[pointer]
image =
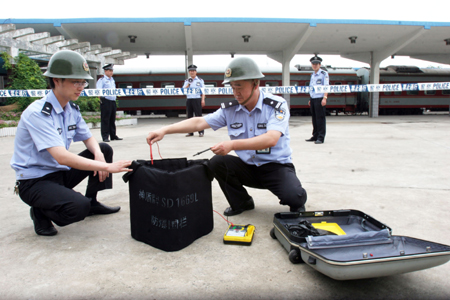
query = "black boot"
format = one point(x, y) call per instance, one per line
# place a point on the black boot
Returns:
point(42, 225)
point(247, 205)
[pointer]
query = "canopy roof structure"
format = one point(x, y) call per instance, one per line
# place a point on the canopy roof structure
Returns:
point(113, 40)
point(353, 39)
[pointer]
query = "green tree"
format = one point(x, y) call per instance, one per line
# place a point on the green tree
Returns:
point(88, 104)
point(25, 75)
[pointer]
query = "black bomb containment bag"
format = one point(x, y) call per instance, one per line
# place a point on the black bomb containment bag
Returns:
point(170, 202)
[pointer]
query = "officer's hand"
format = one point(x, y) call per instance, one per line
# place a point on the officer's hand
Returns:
point(119, 166)
point(203, 103)
point(102, 175)
point(222, 148)
point(154, 136)
point(324, 102)
point(309, 103)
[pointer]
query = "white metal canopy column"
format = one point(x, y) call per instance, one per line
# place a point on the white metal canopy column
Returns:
point(285, 56)
point(189, 56)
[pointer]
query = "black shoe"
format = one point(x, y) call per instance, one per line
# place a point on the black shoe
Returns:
point(106, 140)
point(116, 138)
point(189, 134)
point(247, 205)
point(312, 139)
point(298, 209)
point(42, 225)
point(101, 209)
point(318, 142)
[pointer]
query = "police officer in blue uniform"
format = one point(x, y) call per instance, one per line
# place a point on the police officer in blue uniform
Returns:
point(195, 101)
point(45, 170)
point(318, 101)
point(258, 126)
point(108, 106)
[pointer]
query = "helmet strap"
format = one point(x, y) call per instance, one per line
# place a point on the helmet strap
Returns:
point(255, 86)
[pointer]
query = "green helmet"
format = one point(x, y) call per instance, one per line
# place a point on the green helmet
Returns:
point(68, 64)
point(242, 68)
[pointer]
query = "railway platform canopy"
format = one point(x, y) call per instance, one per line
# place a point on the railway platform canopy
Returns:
point(113, 40)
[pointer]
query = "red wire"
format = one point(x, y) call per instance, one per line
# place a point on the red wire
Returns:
point(151, 154)
point(224, 218)
point(158, 151)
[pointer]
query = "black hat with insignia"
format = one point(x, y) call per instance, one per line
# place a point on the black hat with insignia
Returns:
point(192, 67)
point(108, 67)
point(316, 60)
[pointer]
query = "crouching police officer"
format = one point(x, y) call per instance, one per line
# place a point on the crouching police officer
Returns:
point(258, 125)
point(46, 171)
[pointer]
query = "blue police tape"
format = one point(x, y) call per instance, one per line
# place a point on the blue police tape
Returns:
point(370, 88)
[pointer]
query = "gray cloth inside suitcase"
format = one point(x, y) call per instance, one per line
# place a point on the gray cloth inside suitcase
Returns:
point(356, 239)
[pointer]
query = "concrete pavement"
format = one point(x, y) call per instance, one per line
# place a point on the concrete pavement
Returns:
point(394, 168)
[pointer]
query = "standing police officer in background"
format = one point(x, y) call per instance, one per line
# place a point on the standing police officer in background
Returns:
point(258, 126)
point(108, 105)
point(318, 101)
point(194, 102)
point(46, 171)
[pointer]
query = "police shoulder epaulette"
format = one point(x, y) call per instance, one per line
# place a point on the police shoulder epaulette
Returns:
point(274, 103)
point(47, 109)
point(323, 72)
point(74, 105)
point(229, 104)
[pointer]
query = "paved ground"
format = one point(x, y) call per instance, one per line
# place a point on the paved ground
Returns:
point(394, 168)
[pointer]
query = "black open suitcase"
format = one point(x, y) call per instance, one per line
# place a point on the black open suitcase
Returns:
point(366, 250)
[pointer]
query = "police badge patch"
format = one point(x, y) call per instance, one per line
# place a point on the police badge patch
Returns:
point(236, 125)
point(280, 114)
point(228, 73)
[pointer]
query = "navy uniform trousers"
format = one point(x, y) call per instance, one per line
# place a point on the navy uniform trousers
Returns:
point(53, 195)
point(108, 118)
point(233, 174)
point(318, 113)
point(194, 107)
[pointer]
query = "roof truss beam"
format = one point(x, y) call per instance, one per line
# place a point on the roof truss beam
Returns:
point(27, 41)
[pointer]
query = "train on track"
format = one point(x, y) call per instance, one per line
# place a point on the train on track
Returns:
point(404, 102)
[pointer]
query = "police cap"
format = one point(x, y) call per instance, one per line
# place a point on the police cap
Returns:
point(192, 67)
point(108, 67)
point(316, 60)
